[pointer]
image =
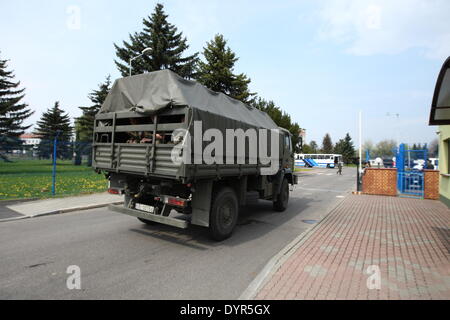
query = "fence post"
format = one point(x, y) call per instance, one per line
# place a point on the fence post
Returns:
point(358, 180)
point(55, 143)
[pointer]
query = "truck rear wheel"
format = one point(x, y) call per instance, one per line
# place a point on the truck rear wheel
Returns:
point(147, 222)
point(224, 214)
point(282, 200)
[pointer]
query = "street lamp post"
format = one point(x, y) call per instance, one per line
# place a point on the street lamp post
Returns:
point(359, 164)
point(134, 58)
point(360, 140)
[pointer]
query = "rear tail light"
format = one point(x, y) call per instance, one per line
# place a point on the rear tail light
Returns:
point(113, 191)
point(176, 202)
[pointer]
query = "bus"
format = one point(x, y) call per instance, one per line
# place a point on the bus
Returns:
point(317, 160)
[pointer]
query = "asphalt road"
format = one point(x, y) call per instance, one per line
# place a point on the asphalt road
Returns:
point(121, 258)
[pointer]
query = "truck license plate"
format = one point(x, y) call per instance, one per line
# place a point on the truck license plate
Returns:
point(144, 207)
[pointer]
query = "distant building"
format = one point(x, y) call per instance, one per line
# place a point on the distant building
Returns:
point(30, 139)
point(440, 115)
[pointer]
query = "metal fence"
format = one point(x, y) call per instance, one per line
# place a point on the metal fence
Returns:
point(12, 148)
point(411, 183)
point(28, 168)
point(410, 175)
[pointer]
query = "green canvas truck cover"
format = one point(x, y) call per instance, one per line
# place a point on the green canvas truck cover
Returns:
point(152, 92)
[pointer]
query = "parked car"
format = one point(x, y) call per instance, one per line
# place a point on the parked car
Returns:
point(377, 163)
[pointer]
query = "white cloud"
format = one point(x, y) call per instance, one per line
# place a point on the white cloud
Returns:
point(388, 27)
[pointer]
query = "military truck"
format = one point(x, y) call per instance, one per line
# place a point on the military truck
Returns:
point(150, 137)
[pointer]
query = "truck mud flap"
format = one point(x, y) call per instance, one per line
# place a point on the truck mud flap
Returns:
point(148, 216)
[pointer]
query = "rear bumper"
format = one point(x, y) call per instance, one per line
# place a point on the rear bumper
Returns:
point(148, 216)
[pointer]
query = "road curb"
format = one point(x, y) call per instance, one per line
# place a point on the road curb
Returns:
point(275, 262)
point(87, 207)
point(13, 219)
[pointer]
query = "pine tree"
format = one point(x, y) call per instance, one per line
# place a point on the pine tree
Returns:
point(167, 47)
point(348, 149)
point(216, 72)
point(339, 147)
point(52, 121)
point(85, 123)
point(327, 144)
point(13, 112)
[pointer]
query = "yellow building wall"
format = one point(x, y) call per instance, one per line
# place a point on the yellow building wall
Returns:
point(444, 179)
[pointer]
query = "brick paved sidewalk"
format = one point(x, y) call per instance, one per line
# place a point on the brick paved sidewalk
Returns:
point(408, 239)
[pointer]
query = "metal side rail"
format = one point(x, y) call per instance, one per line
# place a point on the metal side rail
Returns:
point(148, 216)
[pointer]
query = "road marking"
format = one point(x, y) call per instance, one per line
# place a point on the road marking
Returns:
point(340, 197)
point(314, 189)
point(329, 174)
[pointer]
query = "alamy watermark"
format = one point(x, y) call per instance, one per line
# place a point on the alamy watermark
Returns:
point(374, 280)
point(373, 17)
point(74, 279)
point(234, 146)
point(73, 21)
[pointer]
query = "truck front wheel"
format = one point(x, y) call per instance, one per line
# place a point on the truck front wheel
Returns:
point(224, 214)
point(281, 202)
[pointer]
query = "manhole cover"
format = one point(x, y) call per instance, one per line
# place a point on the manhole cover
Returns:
point(309, 221)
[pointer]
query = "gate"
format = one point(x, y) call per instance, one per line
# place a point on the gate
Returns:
point(410, 175)
point(411, 183)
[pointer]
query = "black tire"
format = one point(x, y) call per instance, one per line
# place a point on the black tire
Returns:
point(224, 214)
point(147, 222)
point(282, 200)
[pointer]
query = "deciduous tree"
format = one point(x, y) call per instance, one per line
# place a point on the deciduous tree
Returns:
point(314, 146)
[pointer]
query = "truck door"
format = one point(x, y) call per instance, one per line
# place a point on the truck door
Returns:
point(288, 156)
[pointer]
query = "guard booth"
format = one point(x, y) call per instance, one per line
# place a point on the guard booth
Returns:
point(410, 175)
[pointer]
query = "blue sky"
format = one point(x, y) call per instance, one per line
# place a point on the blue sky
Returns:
point(321, 61)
